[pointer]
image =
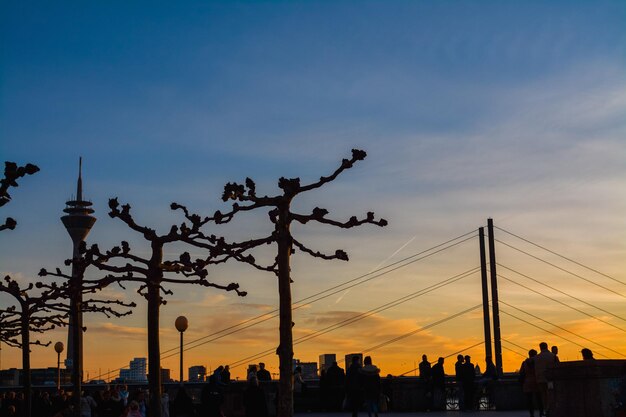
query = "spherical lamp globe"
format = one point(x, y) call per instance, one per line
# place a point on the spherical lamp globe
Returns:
point(181, 323)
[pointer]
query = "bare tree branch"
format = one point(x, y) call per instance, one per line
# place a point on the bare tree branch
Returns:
point(12, 172)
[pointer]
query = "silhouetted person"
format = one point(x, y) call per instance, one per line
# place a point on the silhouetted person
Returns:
point(324, 391)
point(469, 375)
point(109, 407)
point(252, 371)
point(425, 369)
point(370, 379)
point(335, 380)
point(354, 388)
point(87, 405)
point(165, 403)
point(587, 354)
point(211, 400)
point(529, 383)
point(299, 388)
point(458, 378)
point(182, 406)
point(10, 400)
point(254, 399)
point(217, 375)
point(543, 361)
point(42, 406)
point(439, 385)
point(491, 373)
point(298, 382)
point(488, 378)
point(426, 378)
point(133, 409)
point(60, 402)
point(226, 375)
point(555, 352)
point(124, 394)
point(263, 374)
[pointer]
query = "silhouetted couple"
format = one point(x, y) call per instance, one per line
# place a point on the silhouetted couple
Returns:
point(363, 384)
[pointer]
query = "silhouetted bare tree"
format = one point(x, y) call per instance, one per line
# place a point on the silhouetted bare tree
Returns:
point(40, 313)
point(281, 215)
point(153, 271)
point(32, 315)
point(12, 172)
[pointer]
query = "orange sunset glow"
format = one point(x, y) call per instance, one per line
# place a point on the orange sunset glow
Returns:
point(467, 111)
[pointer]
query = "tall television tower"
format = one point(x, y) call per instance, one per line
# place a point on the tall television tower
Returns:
point(78, 222)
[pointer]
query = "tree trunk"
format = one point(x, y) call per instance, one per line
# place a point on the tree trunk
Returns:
point(154, 351)
point(26, 382)
point(76, 327)
point(285, 348)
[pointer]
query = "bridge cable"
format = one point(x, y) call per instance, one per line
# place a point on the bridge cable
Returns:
point(564, 329)
point(545, 330)
point(563, 292)
point(421, 329)
point(515, 344)
point(512, 350)
point(562, 303)
point(562, 256)
point(561, 269)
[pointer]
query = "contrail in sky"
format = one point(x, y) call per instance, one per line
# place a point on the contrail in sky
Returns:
point(393, 254)
point(379, 265)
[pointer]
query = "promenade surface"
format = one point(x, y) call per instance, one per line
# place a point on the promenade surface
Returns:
point(490, 413)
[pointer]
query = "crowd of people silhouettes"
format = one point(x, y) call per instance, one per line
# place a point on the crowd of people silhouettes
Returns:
point(357, 388)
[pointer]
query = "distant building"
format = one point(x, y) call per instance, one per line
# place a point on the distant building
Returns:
point(349, 359)
point(326, 360)
point(48, 376)
point(165, 375)
point(136, 371)
point(197, 373)
point(10, 377)
point(309, 369)
point(40, 376)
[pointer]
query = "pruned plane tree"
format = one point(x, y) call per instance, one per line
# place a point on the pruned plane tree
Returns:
point(281, 216)
point(30, 313)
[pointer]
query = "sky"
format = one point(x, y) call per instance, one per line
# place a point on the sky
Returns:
point(469, 110)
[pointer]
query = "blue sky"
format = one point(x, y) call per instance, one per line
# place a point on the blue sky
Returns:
point(514, 110)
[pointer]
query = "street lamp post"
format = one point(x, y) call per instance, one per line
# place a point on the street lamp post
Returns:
point(181, 325)
point(58, 348)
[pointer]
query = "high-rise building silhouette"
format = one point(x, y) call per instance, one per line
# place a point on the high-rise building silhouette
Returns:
point(348, 359)
point(197, 373)
point(136, 371)
point(326, 360)
point(78, 221)
point(309, 369)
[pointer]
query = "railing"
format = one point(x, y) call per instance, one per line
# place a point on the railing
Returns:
point(404, 394)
